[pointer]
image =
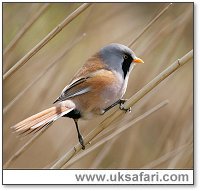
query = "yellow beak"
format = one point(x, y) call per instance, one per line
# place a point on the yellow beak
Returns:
point(138, 60)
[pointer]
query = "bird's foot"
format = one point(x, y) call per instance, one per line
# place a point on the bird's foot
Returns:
point(121, 106)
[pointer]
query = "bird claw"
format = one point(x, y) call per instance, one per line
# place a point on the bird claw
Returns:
point(83, 147)
point(121, 106)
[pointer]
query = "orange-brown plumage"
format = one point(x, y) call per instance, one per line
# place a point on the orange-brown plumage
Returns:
point(93, 64)
point(99, 97)
point(40, 119)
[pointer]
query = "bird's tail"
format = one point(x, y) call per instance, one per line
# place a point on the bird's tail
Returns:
point(40, 120)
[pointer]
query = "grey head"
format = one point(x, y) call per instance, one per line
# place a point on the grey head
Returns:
point(118, 57)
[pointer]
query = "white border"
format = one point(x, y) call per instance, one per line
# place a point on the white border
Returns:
point(197, 95)
point(109, 177)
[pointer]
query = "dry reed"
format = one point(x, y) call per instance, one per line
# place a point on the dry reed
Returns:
point(24, 29)
point(31, 141)
point(23, 148)
point(40, 75)
point(149, 25)
point(129, 103)
point(46, 39)
point(173, 135)
point(116, 133)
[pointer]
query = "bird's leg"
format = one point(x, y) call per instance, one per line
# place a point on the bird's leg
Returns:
point(121, 106)
point(111, 106)
point(80, 138)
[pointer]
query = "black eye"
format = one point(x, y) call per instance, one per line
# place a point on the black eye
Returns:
point(125, 57)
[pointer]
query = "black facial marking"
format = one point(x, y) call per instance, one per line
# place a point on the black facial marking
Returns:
point(75, 114)
point(126, 64)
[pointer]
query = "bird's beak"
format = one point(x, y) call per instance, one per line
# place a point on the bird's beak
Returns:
point(138, 60)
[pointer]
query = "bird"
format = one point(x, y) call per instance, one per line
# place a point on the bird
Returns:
point(98, 86)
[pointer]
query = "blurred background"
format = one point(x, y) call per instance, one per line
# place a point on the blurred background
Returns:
point(162, 140)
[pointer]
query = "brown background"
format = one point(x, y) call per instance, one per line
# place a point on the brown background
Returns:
point(163, 140)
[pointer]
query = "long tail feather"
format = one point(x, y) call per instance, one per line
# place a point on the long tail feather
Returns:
point(40, 120)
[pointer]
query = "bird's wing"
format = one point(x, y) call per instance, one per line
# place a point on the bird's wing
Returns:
point(74, 89)
point(95, 81)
